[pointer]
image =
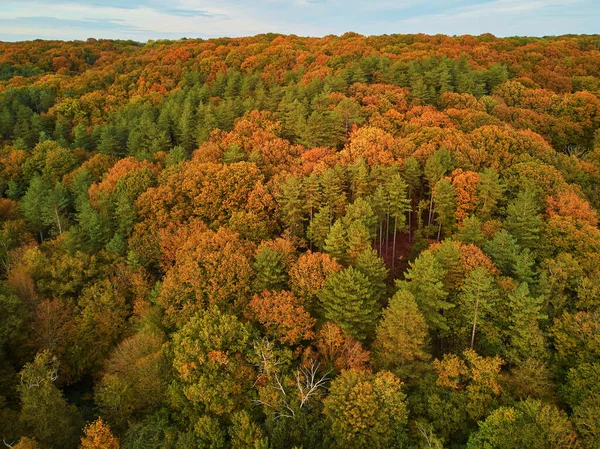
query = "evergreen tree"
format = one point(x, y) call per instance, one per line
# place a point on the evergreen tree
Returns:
point(444, 196)
point(489, 191)
point(399, 206)
point(34, 205)
point(334, 195)
point(234, 153)
point(436, 167)
point(401, 337)
point(523, 220)
point(292, 205)
point(424, 280)
point(477, 303)
point(81, 138)
point(270, 270)
point(336, 242)
point(470, 232)
point(348, 301)
point(525, 338)
point(318, 229)
point(358, 240)
point(359, 180)
point(411, 172)
point(503, 249)
point(373, 267)
point(146, 139)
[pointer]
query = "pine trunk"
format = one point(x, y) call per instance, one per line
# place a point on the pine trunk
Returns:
point(474, 322)
point(430, 209)
point(394, 243)
point(387, 234)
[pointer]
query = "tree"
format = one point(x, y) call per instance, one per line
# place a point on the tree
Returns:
point(436, 167)
point(411, 172)
point(209, 358)
point(529, 424)
point(474, 379)
point(146, 139)
point(366, 410)
point(283, 316)
point(400, 344)
point(270, 270)
point(339, 351)
point(98, 436)
point(309, 273)
point(477, 302)
point(26, 443)
point(503, 250)
point(134, 380)
point(424, 280)
point(348, 300)
point(34, 205)
point(319, 227)
point(374, 269)
point(523, 220)
point(525, 339)
point(444, 197)
point(582, 393)
point(470, 232)
point(399, 206)
point(336, 242)
point(489, 192)
point(245, 434)
point(358, 241)
point(292, 205)
point(45, 414)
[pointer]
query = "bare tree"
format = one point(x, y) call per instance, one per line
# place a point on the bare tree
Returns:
point(307, 382)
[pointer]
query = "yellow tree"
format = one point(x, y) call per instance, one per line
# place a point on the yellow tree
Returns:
point(98, 436)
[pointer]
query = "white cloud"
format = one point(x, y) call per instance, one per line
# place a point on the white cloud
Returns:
point(151, 19)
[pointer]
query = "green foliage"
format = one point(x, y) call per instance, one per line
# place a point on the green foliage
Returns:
point(270, 270)
point(523, 220)
point(45, 414)
point(350, 299)
point(529, 424)
point(424, 280)
point(400, 345)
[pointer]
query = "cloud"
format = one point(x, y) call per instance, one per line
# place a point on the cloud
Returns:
point(155, 19)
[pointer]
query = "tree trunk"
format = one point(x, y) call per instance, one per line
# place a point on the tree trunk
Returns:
point(387, 233)
point(430, 209)
point(394, 244)
point(474, 322)
point(380, 236)
point(410, 212)
point(58, 221)
point(439, 231)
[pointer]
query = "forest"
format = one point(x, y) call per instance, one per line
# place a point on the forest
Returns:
point(279, 242)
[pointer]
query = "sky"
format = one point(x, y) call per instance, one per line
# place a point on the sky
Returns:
point(142, 20)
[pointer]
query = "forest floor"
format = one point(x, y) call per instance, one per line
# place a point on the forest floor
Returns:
point(402, 255)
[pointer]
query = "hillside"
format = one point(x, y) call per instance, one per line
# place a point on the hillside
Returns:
point(280, 242)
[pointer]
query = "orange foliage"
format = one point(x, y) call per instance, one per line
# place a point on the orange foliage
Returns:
point(98, 436)
point(465, 185)
point(283, 316)
point(568, 203)
point(340, 350)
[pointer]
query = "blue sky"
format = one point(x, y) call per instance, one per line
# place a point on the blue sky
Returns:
point(142, 20)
